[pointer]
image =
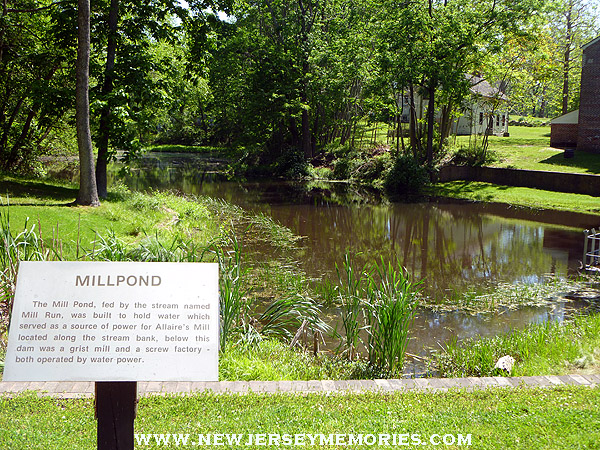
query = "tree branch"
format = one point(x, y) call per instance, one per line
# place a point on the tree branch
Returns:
point(12, 10)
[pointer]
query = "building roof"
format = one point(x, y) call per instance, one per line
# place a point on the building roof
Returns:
point(572, 117)
point(592, 42)
point(480, 86)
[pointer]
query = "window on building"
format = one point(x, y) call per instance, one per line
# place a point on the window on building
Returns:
point(503, 119)
point(480, 118)
point(497, 120)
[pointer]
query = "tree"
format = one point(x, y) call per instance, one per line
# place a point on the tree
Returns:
point(37, 50)
point(431, 46)
point(124, 36)
point(88, 193)
point(573, 24)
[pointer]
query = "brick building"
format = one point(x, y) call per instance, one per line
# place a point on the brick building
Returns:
point(588, 133)
point(582, 128)
point(564, 129)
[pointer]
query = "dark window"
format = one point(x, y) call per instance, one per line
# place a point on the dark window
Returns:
point(497, 120)
point(503, 119)
point(480, 118)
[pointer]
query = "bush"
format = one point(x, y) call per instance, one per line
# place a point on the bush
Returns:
point(406, 176)
point(474, 156)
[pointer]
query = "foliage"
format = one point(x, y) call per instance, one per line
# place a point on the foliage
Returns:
point(406, 176)
point(377, 301)
point(36, 79)
point(474, 155)
point(287, 162)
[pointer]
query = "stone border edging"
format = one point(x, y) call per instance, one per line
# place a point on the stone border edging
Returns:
point(83, 389)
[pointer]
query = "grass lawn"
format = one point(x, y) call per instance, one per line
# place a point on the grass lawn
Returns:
point(529, 148)
point(131, 216)
point(519, 196)
point(557, 418)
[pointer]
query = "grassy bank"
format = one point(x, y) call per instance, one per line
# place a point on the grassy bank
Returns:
point(529, 148)
point(507, 419)
point(550, 348)
point(518, 196)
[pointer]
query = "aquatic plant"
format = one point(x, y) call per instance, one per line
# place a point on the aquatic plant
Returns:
point(233, 305)
point(284, 316)
point(377, 302)
point(389, 313)
point(351, 292)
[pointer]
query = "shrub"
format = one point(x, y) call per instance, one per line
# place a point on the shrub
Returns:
point(406, 176)
point(474, 156)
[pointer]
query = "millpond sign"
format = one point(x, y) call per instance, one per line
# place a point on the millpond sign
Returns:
point(114, 321)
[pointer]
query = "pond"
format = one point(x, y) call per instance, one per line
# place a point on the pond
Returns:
point(456, 248)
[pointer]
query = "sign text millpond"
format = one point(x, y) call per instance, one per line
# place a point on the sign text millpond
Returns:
point(114, 321)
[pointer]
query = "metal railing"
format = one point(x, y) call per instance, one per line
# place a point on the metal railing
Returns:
point(591, 250)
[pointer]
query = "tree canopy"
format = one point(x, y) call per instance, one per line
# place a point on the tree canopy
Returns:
point(285, 79)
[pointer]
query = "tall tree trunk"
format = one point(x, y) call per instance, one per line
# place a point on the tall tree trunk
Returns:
point(566, 61)
point(6, 132)
point(88, 193)
point(412, 127)
point(430, 122)
point(107, 87)
point(306, 135)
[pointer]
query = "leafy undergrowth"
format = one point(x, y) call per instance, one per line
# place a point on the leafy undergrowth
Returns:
point(554, 418)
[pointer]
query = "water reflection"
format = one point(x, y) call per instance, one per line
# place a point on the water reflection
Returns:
point(454, 246)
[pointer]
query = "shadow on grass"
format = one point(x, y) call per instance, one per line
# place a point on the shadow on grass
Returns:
point(588, 161)
point(466, 189)
point(36, 189)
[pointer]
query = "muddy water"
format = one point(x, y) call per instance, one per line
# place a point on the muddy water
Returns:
point(453, 246)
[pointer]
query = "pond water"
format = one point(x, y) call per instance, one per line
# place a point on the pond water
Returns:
point(455, 247)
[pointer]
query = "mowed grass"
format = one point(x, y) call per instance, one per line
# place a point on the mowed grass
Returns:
point(519, 196)
point(529, 148)
point(556, 418)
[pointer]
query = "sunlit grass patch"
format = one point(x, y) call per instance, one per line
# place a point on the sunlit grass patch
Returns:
point(520, 196)
point(564, 417)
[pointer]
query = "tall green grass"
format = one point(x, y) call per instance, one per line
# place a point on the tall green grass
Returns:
point(352, 304)
point(545, 348)
point(390, 311)
point(377, 304)
point(281, 318)
point(234, 307)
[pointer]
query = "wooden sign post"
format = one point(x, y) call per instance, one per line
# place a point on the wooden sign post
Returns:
point(115, 412)
point(114, 324)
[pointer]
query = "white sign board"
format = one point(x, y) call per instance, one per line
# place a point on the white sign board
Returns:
point(114, 321)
